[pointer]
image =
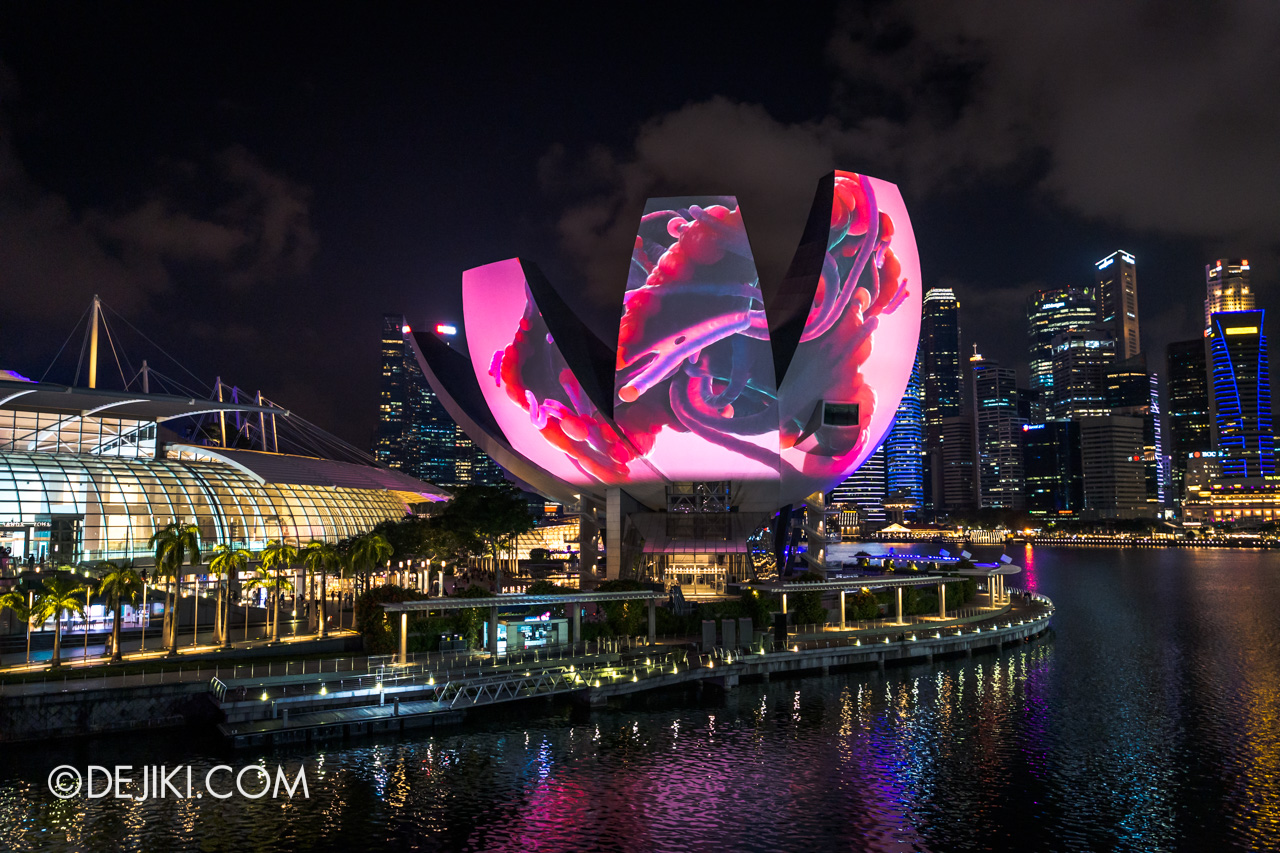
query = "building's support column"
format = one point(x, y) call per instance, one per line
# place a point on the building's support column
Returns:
point(653, 620)
point(577, 624)
point(842, 610)
point(404, 638)
point(942, 601)
point(613, 533)
point(899, 619)
point(784, 602)
point(493, 632)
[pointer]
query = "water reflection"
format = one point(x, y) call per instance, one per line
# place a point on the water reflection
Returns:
point(1147, 721)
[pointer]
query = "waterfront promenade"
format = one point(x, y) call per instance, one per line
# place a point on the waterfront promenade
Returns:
point(439, 690)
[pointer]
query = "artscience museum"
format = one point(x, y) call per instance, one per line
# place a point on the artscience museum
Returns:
point(720, 403)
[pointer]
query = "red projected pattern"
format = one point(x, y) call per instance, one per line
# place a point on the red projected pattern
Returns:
point(695, 390)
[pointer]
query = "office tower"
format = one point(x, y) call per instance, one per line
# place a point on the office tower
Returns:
point(1117, 277)
point(1115, 482)
point(957, 473)
point(1052, 468)
point(1132, 391)
point(388, 442)
point(1081, 358)
point(1226, 288)
point(1190, 429)
point(904, 447)
point(1240, 394)
point(1049, 314)
point(415, 433)
point(940, 373)
point(865, 489)
point(998, 429)
point(1031, 406)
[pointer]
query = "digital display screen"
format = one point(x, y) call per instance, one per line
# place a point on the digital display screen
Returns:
point(695, 396)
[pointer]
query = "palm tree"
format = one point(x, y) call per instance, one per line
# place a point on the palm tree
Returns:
point(61, 592)
point(173, 544)
point(278, 555)
point(273, 583)
point(118, 583)
point(367, 552)
point(16, 601)
point(319, 558)
point(228, 561)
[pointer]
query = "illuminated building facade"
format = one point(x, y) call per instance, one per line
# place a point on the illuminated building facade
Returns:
point(1117, 278)
point(1052, 468)
point(1081, 359)
point(1115, 481)
point(941, 383)
point(1190, 425)
point(998, 430)
point(904, 448)
point(865, 490)
point(1132, 391)
point(766, 393)
point(415, 433)
point(89, 475)
point(1241, 394)
point(1049, 314)
point(1226, 285)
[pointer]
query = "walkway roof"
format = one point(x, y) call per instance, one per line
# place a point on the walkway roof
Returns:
point(313, 471)
point(69, 401)
point(508, 602)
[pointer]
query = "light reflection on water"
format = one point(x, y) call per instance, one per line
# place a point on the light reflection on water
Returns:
point(1147, 721)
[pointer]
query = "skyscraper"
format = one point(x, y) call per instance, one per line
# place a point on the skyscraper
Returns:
point(1226, 288)
point(1115, 482)
point(388, 441)
point(1132, 391)
point(865, 489)
point(904, 448)
point(1081, 359)
point(1117, 276)
point(940, 345)
point(939, 354)
point(415, 433)
point(1052, 468)
point(1190, 427)
point(998, 428)
point(1050, 313)
point(1241, 394)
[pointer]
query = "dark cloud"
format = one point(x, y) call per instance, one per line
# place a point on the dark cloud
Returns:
point(1158, 116)
point(227, 222)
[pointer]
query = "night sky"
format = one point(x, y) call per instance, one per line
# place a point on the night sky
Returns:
point(254, 189)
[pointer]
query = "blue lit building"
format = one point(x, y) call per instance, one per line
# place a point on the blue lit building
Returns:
point(1241, 394)
point(904, 448)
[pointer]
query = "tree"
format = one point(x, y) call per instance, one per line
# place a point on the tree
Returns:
point(173, 545)
point(228, 561)
point(366, 554)
point(492, 514)
point(808, 609)
point(320, 557)
point(278, 555)
point(118, 583)
point(61, 592)
point(264, 578)
point(17, 602)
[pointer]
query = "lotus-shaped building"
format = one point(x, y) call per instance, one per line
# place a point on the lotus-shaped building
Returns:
point(722, 398)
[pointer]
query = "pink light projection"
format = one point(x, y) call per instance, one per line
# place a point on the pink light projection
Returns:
point(695, 396)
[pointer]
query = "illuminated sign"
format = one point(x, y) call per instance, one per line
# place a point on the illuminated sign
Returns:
point(1106, 262)
point(404, 330)
point(1052, 305)
point(1241, 330)
point(694, 392)
point(1029, 427)
point(446, 329)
